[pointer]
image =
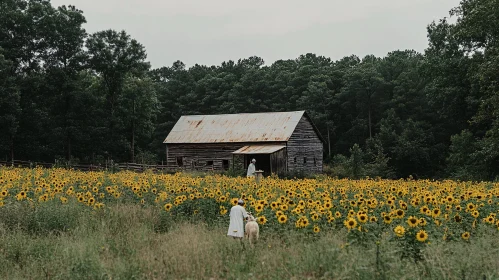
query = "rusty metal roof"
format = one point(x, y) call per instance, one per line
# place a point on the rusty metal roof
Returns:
point(259, 149)
point(250, 127)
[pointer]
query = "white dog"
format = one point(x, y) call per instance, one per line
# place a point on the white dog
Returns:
point(251, 230)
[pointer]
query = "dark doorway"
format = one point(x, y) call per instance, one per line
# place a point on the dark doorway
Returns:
point(262, 162)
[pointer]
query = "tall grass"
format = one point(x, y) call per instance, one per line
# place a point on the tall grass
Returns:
point(131, 242)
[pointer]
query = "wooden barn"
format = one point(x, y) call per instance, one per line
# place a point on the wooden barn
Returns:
point(279, 141)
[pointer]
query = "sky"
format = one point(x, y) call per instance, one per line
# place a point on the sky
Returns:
point(210, 32)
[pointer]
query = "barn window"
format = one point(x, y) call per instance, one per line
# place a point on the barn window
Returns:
point(180, 161)
point(305, 160)
point(225, 164)
point(294, 160)
point(209, 162)
point(315, 161)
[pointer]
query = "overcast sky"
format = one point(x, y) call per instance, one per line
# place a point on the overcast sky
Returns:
point(212, 31)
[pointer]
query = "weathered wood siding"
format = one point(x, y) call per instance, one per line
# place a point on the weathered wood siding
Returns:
point(200, 156)
point(305, 145)
point(278, 162)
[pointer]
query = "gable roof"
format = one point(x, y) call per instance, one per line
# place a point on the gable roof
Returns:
point(234, 128)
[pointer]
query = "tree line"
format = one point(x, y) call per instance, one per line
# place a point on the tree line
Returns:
point(69, 95)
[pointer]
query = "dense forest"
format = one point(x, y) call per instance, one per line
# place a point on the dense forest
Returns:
point(71, 96)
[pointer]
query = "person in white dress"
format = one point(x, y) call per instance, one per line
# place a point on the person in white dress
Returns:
point(237, 216)
point(251, 169)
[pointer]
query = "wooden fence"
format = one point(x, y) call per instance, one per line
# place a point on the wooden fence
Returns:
point(92, 167)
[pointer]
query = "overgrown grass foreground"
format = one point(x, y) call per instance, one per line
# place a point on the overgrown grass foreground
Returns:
point(129, 241)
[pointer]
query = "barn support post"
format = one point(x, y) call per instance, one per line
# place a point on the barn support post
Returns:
point(270, 163)
point(286, 167)
point(166, 149)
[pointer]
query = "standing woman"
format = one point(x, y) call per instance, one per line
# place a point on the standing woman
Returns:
point(251, 169)
point(237, 216)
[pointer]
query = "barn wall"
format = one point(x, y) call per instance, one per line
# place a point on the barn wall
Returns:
point(202, 157)
point(278, 162)
point(197, 156)
point(305, 143)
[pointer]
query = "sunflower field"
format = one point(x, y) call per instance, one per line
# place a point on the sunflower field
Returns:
point(67, 224)
point(412, 211)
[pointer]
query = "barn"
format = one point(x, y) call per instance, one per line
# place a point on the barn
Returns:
point(280, 142)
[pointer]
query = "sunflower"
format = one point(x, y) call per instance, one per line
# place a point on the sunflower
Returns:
point(315, 217)
point(412, 221)
point(262, 220)
point(258, 208)
point(168, 207)
point(350, 223)
point(362, 218)
point(373, 219)
point(282, 219)
point(403, 205)
point(399, 231)
point(387, 219)
point(465, 235)
point(457, 218)
point(435, 212)
point(223, 211)
point(337, 214)
point(317, 229)
point(490, 219)
point(475, 213)
point(421, 236)
point(400, 213)
point(304, 222)
point(470, 207)
point(233, 201)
